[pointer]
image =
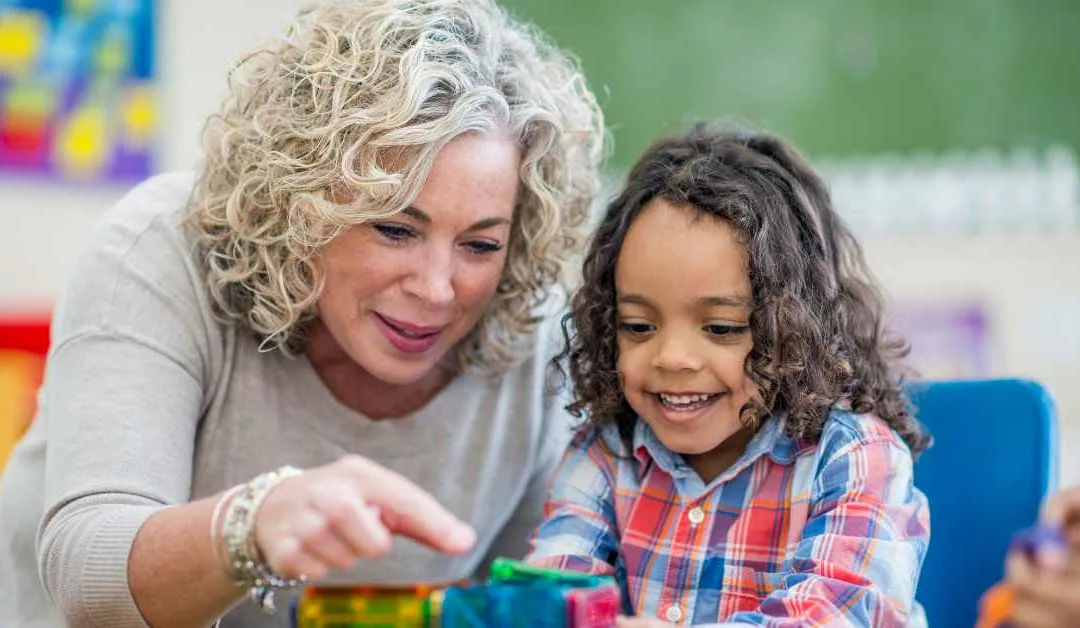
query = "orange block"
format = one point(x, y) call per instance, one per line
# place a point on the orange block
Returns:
point(996, 606)
point(20, 378)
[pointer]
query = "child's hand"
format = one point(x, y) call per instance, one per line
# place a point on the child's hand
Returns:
point(1044, 597)
point(1063, 511)
point(1046, 578)
point(640, 622)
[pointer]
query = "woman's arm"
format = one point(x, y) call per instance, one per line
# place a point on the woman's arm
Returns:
point(122, 410)
point(116, 551)
point(174, 576)
point(124, 389)
point(325, 519)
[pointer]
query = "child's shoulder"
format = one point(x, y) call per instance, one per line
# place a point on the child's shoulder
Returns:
point(844, 430)
point(601, 441)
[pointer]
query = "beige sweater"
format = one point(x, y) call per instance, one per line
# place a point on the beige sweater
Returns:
point(149, 401)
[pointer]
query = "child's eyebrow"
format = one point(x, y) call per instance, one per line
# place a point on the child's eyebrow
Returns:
point(632, 299)
point(727, 300)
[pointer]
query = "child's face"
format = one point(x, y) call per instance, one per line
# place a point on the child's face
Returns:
point(684, 303)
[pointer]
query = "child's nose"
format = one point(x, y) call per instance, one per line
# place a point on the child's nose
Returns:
point(677, 352)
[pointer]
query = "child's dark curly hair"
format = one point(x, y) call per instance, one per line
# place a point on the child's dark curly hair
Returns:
point(817, 321)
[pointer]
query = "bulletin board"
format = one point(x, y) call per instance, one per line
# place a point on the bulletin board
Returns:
point(77, 95)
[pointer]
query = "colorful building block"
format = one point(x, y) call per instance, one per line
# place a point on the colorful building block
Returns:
point(595, 607)
point(505, 570)
point(515, 596)
point(504, 606)
point(367, 607)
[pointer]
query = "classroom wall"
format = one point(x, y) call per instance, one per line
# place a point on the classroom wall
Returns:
point(839, 77)
point(1031, 286)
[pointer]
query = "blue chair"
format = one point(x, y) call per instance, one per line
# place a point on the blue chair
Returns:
point(993, 461)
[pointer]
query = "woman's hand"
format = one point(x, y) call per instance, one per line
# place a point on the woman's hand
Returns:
point(330, 516)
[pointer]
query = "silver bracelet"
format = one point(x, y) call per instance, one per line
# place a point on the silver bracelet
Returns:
point(216, 541)
point(245, 565)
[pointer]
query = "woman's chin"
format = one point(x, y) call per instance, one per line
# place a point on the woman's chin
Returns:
point(402, 370)
point(399, 373)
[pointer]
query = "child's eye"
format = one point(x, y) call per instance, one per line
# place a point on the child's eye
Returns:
point(483, 247)
point(635, 328)
point(726, 330)
point(394, 233)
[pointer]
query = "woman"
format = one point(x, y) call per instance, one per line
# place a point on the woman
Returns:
point(359, 284)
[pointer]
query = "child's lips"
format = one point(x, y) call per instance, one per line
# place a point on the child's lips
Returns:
point(684, 412)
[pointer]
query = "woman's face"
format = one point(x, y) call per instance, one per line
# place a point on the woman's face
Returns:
point(402, 292)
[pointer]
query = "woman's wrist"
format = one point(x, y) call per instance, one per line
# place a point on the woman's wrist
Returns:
point(233, 537)
point(217, 540)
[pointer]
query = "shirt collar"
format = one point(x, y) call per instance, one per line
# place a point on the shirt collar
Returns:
point(770, 440)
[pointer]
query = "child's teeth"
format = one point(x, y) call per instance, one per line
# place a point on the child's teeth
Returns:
point(683, 399)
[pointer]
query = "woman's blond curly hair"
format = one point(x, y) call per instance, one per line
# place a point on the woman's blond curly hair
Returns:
point(338, 122)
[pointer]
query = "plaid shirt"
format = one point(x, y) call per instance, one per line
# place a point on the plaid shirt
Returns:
point(793, 534)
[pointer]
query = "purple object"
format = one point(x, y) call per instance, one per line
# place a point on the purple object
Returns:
point(1039, 538)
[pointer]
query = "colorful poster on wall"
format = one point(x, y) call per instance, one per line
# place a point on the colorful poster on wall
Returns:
point(76, 94)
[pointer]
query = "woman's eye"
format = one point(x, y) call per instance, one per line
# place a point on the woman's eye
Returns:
point(394, 233)
point(483, 247)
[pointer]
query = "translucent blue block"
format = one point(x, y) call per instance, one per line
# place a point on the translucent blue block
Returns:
point(538, 605)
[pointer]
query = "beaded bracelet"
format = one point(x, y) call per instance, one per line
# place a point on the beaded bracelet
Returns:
point(245, 565)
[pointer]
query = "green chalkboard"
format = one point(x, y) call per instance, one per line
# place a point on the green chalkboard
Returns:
point(839, 77)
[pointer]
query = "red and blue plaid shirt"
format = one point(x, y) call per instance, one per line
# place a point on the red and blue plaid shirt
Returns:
point(793, 534)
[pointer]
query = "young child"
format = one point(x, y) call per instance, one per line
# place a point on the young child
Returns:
point(747, 456)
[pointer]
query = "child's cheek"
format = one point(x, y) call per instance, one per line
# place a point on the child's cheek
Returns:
point(750, 390)
point(628, 364)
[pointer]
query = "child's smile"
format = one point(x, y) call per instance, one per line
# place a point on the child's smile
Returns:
point(685, 407)
point(684, 304)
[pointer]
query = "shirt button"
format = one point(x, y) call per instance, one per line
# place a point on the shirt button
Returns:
point(673, 614)
point(696, 516)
